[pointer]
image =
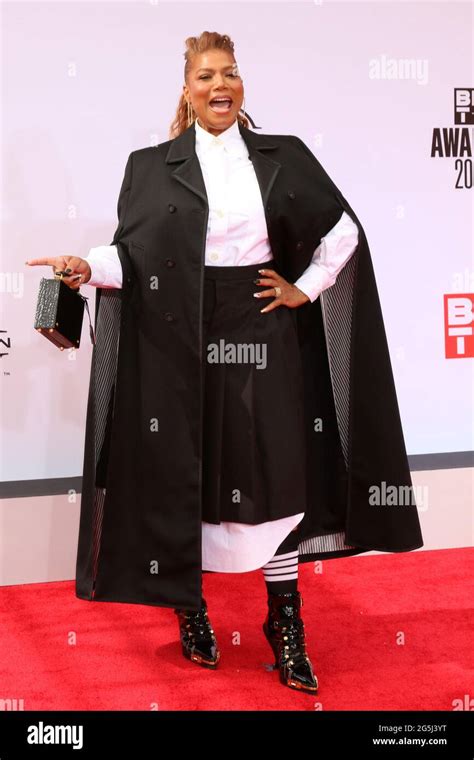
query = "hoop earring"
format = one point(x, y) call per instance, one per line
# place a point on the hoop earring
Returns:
point(243, 107)
point(247, 115)
point(190, 111)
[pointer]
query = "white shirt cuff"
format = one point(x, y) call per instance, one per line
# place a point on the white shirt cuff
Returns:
point(331, 255)
point(106, 269)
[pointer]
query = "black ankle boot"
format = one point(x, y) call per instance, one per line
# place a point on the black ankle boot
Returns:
point(198, 642)
point(284, 630)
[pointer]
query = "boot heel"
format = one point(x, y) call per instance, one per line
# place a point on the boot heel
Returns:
point(272, 646)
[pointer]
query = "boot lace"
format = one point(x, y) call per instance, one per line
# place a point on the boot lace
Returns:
point(198, 628)
point(291, 642)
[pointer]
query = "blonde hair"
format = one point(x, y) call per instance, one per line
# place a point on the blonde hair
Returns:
point(195, 45)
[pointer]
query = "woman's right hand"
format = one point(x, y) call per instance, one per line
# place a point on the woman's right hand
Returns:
point(80, 269)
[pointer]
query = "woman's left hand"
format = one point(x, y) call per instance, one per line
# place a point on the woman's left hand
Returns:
point(291, 296)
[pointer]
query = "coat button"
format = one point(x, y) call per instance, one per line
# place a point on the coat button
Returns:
point(171, 208)
point(291, 194)
point(299, 245)
point(169, 316)
point(269, 208)
point(170, 263)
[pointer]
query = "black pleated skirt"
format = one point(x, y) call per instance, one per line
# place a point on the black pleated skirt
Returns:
point(254, 455)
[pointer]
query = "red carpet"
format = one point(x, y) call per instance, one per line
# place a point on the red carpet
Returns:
point(62, 653)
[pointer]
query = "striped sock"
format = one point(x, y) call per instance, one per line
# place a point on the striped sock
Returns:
point(281, 572)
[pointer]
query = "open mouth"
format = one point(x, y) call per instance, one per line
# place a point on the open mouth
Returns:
point(220, 105)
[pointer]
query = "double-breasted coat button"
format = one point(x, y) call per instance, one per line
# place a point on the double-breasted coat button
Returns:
point(170, 263)
point(291, 194)
point(171, 208)
point(299, 245)
point(169, 316)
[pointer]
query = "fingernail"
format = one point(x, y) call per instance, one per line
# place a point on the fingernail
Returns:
point(256, 295)
point(261, 271)
point(262, 310)
point(257, 282)
point(68, 269)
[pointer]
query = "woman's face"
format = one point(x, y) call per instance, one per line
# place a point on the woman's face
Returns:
point(214, 75)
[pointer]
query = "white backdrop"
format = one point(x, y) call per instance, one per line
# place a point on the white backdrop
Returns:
point(363, 84)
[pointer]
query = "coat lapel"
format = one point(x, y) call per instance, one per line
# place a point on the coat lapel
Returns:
point(182, 151)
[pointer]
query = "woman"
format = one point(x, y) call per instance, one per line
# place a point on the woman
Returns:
point(235, 420)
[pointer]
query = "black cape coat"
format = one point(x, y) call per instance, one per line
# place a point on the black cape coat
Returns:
point(140, 523)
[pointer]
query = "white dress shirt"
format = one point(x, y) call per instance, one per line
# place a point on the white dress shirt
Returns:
point(237, 236)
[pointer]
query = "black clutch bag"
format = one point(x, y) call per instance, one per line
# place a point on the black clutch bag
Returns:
point(59, 314)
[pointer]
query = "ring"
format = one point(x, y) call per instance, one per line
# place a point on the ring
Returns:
point(277, 291)
point(59, 275)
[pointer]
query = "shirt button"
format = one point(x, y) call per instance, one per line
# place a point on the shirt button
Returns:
point(214, 256)
point(220, 212)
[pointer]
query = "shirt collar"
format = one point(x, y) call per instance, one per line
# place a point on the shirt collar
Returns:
point(231, 139)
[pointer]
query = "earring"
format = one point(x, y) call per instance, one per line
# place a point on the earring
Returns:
point(247, 115)
point(190, 116)
point(244, 111)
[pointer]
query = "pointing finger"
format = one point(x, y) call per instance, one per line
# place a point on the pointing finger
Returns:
point(47, 261)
